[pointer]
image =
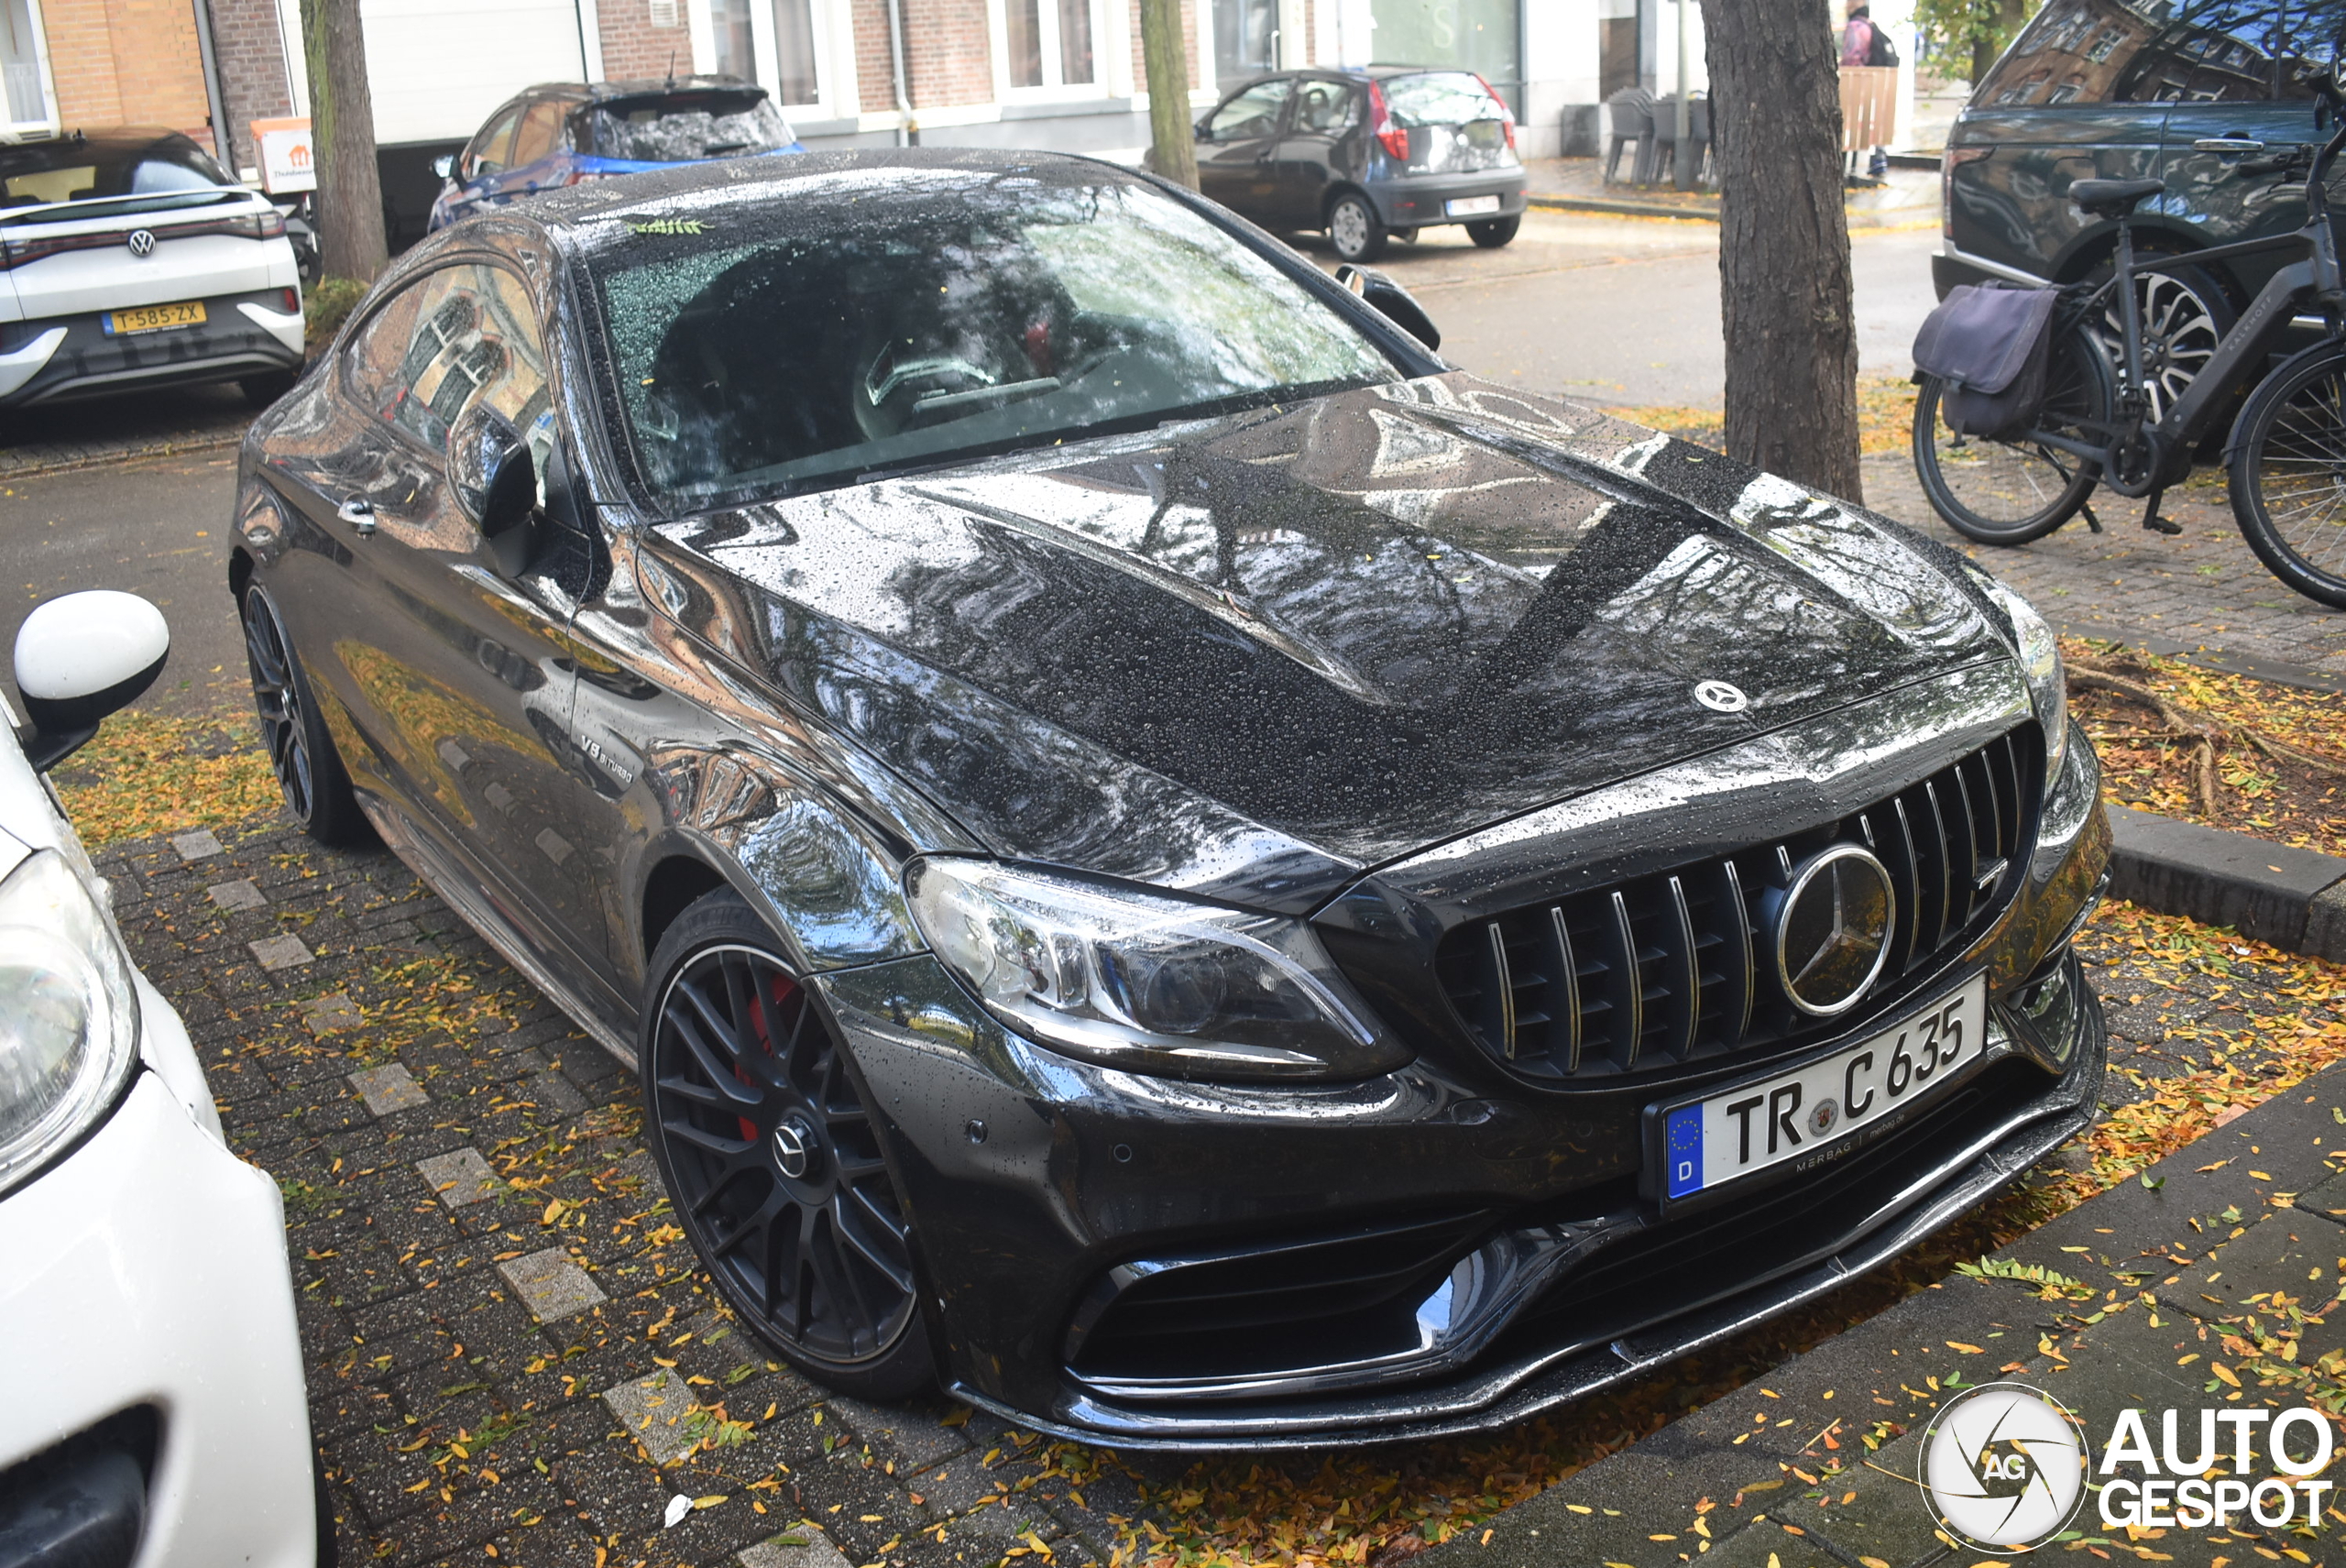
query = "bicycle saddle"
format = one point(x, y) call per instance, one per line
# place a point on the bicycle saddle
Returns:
point(2112, 198)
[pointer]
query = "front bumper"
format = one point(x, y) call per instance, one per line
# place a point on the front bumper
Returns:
point(57, 358)
point(1263, 1228)
point(1421, 200)
point(147, 1292)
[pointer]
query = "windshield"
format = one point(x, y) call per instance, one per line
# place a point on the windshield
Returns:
point(77, 168)
point(686, 128)
point(876, 320)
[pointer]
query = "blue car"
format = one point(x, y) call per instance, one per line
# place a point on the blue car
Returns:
point(565, 132)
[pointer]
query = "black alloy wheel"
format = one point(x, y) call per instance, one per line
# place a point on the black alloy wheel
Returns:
point(772, 1160)
point(1354, 229)
point(301, 754)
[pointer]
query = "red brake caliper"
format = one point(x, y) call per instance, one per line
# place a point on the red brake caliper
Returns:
point(761, 1030)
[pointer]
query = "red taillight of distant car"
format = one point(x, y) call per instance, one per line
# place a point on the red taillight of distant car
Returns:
point(1394, 138)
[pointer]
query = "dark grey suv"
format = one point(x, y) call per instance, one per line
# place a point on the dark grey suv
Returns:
point(1365, 155)
point(2110, 89)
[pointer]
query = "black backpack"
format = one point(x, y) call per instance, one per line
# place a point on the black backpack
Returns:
point(1879, 50)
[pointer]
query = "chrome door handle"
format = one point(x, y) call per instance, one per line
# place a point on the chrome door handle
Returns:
point(2227, 143)
point(360, 513)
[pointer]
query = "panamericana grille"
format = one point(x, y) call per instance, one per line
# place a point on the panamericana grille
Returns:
point(1674, 968)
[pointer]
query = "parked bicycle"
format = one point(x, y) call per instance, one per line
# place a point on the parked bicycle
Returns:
point(2097, 424)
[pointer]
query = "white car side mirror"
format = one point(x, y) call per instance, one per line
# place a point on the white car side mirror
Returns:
point(81, 657)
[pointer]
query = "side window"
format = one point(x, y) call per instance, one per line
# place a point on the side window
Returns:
point(1326, 108)
point(490, 149)
point(463, 334)
point(1253, 113)
point(536, 137)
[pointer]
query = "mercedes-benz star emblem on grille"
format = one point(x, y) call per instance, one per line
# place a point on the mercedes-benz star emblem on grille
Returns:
point(1833, 927)
point(141, 242)
point(1721, 697)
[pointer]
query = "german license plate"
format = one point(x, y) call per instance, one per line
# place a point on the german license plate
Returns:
point(1470, 206)
point(1804, 1112)
point(155, 318)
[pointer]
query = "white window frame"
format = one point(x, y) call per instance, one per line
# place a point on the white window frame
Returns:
point(830, 26)
point(1047, 14)
point(49, 124)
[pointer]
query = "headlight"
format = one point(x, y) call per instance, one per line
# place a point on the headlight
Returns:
point(2040, 664)
point(69, 1012)
point(1145, 981)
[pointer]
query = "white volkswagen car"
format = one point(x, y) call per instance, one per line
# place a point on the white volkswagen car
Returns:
point(129, 259)
point(151, 1401)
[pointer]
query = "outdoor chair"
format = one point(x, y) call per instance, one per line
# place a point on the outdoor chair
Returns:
point(1687, 175)
point(1629, 115)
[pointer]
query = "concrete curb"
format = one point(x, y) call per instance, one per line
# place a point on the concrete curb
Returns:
point(9, 475)
point(1621, 209)
point(2294, 899)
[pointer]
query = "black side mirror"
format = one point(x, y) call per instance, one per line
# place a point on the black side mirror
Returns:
point(1391, 301)
point(495, 483)
point(80, 657)
point(1204, 130)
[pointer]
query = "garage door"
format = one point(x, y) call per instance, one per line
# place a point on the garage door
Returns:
point(438, 67)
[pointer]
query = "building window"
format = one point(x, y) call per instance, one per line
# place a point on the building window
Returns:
point(1050, 42)
point(793, 46)
point(737, 51)
point(20, 60)
point(1245, 38)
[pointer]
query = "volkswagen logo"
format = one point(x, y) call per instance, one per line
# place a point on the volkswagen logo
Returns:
point(141, 242)
point(1832, 929)
point(1720, 696)
point(794, 1148)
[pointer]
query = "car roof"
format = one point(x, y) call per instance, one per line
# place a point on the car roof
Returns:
point(644, 87)
point(104, 139)
point(683, 191)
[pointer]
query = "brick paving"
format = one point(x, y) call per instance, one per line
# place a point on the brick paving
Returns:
point(2200, 589)
point(510, 1345)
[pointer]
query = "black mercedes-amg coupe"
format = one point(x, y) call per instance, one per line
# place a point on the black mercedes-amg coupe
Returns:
point(1166, 858)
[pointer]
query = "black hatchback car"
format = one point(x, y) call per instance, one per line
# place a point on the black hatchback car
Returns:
point(1162, 856)
point(2100, 89)
point(1365, 155)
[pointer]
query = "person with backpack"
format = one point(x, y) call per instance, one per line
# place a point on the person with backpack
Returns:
point(1862, 43)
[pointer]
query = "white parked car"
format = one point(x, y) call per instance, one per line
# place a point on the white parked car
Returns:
point(129, 259)
point(154, 1408)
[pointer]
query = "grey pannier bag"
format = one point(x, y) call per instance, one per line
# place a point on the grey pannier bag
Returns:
point(1988, 342)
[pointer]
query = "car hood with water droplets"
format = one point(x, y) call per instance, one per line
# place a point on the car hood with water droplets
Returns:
point(1257, 653)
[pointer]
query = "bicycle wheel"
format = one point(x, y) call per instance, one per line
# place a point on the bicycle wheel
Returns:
point(2288, 476)
point(2008, 492)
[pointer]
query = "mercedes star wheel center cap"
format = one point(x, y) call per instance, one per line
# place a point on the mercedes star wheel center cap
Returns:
point(794, 1149)
point(1833, 927)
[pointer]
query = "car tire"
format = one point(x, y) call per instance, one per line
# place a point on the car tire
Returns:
point(1493, 232)
point(742, 1076)
point(300, 752)
point(1354, 229)
point(262, 390)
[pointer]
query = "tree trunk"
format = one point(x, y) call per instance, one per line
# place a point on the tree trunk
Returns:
point(1166, 58)
point(342, 131)
point(1784, 284)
